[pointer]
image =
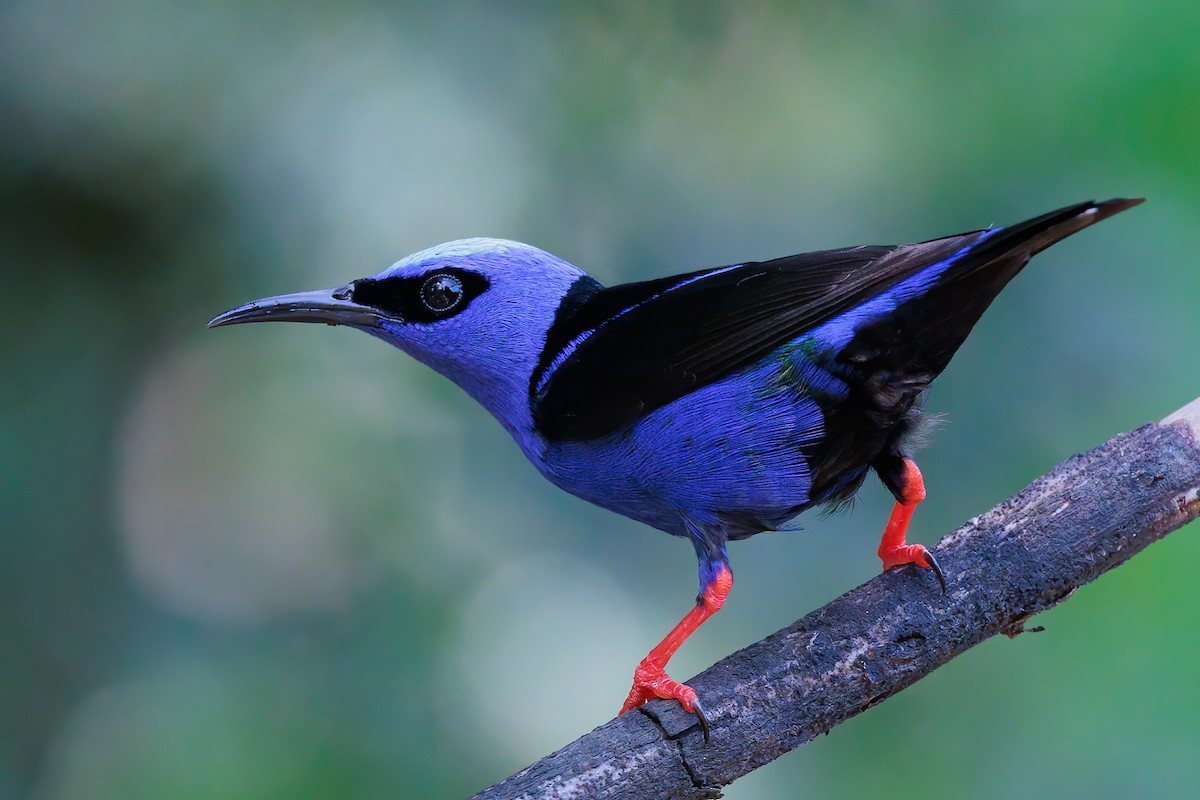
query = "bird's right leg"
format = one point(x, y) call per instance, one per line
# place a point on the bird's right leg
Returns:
point(900, 475)
point(650, 679)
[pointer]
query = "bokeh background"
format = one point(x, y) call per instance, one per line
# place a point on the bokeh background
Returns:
point(284, 561)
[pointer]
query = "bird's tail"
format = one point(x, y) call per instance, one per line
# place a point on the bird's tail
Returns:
point(927, 330)
point(1032, 236)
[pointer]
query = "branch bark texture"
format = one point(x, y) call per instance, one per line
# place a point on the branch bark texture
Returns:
point(1089, 514)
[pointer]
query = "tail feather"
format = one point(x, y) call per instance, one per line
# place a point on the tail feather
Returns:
point(1070, 221)
point(916, 341)
point(1034, 235)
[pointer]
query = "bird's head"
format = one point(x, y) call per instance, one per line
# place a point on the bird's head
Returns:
point(476, 310)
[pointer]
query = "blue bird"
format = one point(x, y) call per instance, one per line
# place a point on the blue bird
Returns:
point(712, 405)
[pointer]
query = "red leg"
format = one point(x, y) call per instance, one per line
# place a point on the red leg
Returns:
point(650, 679)
point(893, 550)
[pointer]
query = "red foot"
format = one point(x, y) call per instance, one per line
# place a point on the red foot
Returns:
point(650, 679)
point(903, 554)
point(893, 550)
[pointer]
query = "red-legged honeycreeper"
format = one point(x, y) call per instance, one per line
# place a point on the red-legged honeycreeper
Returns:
point(712, 405)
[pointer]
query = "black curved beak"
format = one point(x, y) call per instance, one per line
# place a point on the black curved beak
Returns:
point(330, 306)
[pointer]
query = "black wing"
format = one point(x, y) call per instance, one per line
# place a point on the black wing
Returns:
point(627, 350)
point(619, 353)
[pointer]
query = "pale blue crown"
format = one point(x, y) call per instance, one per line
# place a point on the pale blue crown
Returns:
point(466, 252)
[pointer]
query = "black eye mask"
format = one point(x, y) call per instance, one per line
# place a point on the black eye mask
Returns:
point(436, 295)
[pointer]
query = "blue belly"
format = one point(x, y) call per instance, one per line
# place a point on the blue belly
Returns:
point(732, 456)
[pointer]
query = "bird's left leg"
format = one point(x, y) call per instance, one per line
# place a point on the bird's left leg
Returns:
point(900, 475)
point(650, 679)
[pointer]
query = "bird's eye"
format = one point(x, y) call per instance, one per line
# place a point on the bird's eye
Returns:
point(442, 293)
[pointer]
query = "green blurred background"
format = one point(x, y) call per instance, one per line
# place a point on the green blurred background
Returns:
point(284, 561)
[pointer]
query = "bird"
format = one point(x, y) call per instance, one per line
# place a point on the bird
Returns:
point(712, 405)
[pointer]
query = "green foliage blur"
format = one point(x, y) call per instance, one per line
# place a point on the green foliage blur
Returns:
point(284, 561)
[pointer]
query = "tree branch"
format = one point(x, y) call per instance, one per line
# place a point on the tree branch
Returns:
point(1087, 515)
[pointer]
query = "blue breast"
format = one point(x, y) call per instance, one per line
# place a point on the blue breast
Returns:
point(733, 454)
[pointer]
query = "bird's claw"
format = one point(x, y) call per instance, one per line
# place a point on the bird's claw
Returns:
point(698, 710)
point(651, 683)
point(917, 554)
point(936, 567)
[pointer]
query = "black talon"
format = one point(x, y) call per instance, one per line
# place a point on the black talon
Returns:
point(937, 569)
point(698, 710)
